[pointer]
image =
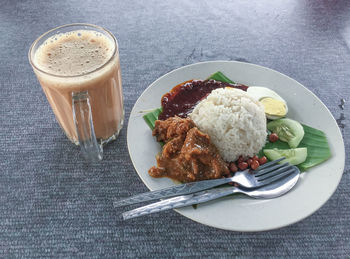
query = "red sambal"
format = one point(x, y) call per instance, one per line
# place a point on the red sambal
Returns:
point(184, 97)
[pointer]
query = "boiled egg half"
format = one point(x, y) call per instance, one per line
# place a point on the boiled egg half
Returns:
point(275, 106)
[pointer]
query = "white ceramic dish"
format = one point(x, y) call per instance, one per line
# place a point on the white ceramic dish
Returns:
point(240, 213)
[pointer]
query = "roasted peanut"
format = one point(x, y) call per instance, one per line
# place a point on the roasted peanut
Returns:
point(262, 160)
point(233, 168)
point(273, 137)
point(255, 164)
point(243, 165)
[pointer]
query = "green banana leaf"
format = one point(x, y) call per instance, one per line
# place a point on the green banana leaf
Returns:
point(314, 140)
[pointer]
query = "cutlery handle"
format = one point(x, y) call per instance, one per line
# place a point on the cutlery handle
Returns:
point(177, 190)
point(180, 201)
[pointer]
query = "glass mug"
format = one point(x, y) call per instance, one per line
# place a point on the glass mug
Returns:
point(78, 68)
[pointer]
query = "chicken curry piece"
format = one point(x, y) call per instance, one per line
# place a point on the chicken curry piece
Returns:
point(188, 154)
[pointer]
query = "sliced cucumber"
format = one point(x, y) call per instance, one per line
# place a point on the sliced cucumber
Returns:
point(287, 130)
point(294, 156)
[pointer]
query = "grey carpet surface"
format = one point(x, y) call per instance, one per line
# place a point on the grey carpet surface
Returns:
point(53, 204)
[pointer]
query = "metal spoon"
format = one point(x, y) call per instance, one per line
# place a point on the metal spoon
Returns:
point(270, 191)
point(248, 178)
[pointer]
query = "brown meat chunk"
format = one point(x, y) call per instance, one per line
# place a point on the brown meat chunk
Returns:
point(171, 128)
point(188, 154)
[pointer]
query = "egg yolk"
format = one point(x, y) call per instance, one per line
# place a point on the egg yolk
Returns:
point(273, 106)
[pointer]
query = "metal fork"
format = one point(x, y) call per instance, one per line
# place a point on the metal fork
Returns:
point(270, 191)
point(248, 178)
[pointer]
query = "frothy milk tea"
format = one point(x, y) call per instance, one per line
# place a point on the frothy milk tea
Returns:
point(76, 61)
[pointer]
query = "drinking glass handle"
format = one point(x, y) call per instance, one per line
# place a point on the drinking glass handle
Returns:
point(82, 116)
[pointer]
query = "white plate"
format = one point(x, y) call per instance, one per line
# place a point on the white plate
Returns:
point(240, 213)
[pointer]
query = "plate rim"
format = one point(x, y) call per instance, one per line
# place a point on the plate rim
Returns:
point(342, 150)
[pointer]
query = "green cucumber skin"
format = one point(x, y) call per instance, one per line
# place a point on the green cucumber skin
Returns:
point(295, 127)
point(314, 140)
point(298, 155)
point(316, 143)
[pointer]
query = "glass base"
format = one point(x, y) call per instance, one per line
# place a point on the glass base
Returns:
point(114, 136)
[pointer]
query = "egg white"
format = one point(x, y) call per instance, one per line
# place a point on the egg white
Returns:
point(260, 92)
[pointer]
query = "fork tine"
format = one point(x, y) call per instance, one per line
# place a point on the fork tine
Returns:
point(277, 177)
point(274, 172)
point(269, 169)
point(271, 163)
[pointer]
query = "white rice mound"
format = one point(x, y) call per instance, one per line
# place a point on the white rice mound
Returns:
point(234, 120)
